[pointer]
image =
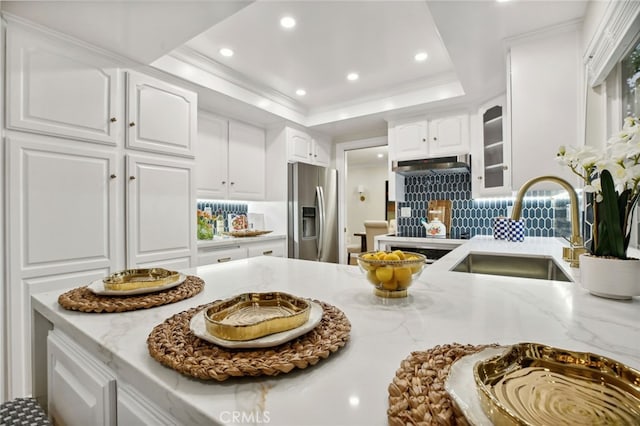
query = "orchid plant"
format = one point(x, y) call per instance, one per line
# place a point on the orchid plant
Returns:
point(612, 175)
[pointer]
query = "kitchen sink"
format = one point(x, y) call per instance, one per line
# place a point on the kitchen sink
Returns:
point(525, 266)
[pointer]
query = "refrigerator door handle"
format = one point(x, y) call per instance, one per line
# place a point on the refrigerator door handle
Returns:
point(321, 214)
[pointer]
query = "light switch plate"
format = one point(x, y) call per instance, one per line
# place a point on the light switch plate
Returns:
point(405, 211)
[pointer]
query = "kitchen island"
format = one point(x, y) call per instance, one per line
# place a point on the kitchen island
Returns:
point(350, 386)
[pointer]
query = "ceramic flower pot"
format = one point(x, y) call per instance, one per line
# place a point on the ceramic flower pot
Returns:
point(611, 278)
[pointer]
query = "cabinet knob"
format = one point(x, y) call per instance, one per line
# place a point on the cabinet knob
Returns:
point(315, 155)
point(132, 178)
point(424, 139)
point(132, 124)
point(113, 119)
point(505, 167)
point(435, 139)
point(224, 182)
point(112, 176)
point(479, 177)
point(232, 183)
point(310, 154)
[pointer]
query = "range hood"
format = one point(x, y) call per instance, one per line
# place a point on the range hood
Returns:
point(456, 163)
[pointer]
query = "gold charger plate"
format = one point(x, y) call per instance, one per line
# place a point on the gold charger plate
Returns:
point(249, 316)
point(534, 384)
point(246, 233)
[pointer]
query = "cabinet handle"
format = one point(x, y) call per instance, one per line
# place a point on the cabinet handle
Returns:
point(232, 183)
point(479, 177)
point(113, 119)
point(132, 178)
point(224, 259)
point(268, 252)
point(112, 176)
point(224, 182)
point(132, 124)
point(505, 167)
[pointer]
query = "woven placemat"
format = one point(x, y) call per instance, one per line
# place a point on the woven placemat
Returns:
point(417, 395)
point(84, 300)
point(173, 345)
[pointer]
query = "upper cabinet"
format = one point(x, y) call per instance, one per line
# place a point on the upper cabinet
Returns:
point(491, 156)
point(160, 117)
point(230, 159)
point(61, 88)
point(303, 147)
point(439, 137)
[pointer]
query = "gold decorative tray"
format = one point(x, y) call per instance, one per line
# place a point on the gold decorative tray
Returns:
point(536, 384)
point(132, 279)
point(246, 233)
point(253, 315)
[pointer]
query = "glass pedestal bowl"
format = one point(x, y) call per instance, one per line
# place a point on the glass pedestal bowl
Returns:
point(391, 273)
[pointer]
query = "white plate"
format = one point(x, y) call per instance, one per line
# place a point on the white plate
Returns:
point(461, 386)
point(199, 328)
point(97, 287)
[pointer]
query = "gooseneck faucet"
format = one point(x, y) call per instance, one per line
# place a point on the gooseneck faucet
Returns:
point(570, 254)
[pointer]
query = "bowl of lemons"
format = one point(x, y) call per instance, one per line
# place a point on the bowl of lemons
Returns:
point(391, 272)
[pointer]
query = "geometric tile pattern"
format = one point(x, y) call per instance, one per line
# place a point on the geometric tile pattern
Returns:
point(543, 215)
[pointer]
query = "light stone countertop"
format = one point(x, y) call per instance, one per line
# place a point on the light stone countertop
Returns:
point(350, 387)
point(228, 241)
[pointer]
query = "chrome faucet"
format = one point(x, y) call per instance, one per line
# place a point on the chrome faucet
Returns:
point(570, 254)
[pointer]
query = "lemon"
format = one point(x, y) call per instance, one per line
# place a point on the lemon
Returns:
point(416, 267)
point(384, 273)
point(391, 256)
point(380, 255)
point(392, 284)
point(373, 279)
point(403, 275)
point(399, 253)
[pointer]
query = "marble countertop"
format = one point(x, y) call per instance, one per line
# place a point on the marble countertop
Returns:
point(227, 241)
point(350, 387)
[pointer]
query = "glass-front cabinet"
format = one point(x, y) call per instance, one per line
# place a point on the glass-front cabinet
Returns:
point(491, 169)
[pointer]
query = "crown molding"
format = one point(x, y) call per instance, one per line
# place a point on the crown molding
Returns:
point(615, 33)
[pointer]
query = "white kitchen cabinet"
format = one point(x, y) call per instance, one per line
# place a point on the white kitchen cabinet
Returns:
point(246, 166)
point(409, 140)
point(61, 88)
point(211, 157)
point(230, 160)
point(213, 255)
point(275, 248)
point(304, 148)
point(449, 136)
point(544, 103)
point(161, 216)
point(491, 168)
point(134, 409)
point(161, 117)
point(81, 390)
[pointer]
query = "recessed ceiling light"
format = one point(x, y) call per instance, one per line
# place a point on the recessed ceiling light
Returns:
point(225, 51)
point(421, 56)
point(352, 76)
point(287, 22)
point(380, 155)
point(301, 92)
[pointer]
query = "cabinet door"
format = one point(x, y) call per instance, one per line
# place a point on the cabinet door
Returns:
point(298, 146)
point(63, 204)
point(246, 162)
point(81, 391)
point(135, 409)
point(58, 88)
point(161, 117)
point(214, 256)
point(211, 157)
point(449, 135)
point(161, 210)
point(409, 140)
point(491, 171)
point(321, 152)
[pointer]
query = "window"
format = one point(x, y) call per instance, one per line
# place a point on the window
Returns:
point(630, 81)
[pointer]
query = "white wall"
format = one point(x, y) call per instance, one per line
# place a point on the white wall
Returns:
point(373, 208)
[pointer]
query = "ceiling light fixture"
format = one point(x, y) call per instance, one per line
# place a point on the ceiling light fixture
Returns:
point(421, 57)
point(287, 22)
point(380, 155)
point(301, 92)
point(225, 51)
point(352, 76)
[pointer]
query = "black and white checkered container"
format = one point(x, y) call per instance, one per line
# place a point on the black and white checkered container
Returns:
point(501, 228)
point(516, 230)
point(23, 412)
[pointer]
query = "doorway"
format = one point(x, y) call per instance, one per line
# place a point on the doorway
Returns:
point(364, 167)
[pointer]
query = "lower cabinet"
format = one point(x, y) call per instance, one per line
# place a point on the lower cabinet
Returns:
point(84, 391)
point(212, 255)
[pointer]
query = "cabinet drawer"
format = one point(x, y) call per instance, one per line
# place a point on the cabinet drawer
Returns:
point(271, 248)
point(208, 257)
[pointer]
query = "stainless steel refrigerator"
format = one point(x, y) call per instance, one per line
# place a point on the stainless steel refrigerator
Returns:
point(313, 213)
